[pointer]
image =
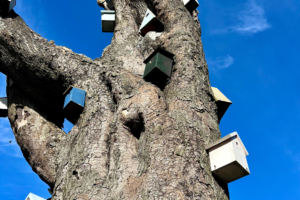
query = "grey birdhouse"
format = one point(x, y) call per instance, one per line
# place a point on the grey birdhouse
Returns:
point(191, 4)
point(158, 67)
point(3, 107)
point(108, 20)
point(74, 103)
point(7, 5)
point(228, 158)
point(222, 101)
point(151, 23)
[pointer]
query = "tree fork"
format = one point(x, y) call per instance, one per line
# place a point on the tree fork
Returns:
point(132, 140)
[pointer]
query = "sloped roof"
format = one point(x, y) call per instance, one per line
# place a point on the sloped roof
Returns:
point(34, 197)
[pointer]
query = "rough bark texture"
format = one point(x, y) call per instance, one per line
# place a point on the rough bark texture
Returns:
point(133, 140)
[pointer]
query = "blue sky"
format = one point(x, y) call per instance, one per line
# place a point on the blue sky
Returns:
point(251, 47)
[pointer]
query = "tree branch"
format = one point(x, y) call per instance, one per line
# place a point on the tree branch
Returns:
point(39, 139)
point(42, 69)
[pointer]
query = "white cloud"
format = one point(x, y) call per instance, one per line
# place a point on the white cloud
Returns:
point(251, 19)
point(221, 62)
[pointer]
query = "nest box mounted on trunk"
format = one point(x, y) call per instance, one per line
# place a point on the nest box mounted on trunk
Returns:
point(191, 4)
point(3, 107)
point(222, 101)
point(74, 103)
point(7, 5)
point(151, 23)
point(228, 158)
point(34, 197)
point(108, 19)
point(158, 67)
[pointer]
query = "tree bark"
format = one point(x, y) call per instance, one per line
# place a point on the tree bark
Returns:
point(133, 140)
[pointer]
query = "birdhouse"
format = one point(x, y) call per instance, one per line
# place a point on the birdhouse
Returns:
point(34, 197)
point(108, 19)
point(151, 23)
point(74, 103)
point(228, 158)
point(3, 107)
point(191, 4)
point(222, 101)
point(7, 5)
point(158, 67)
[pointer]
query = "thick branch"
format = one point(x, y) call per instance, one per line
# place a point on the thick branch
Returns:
point(39, 139)
point(42, 69)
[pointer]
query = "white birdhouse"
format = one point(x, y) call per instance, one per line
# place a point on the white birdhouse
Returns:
point(108, 18)
point(228, 158)
point(222, 101)
point(34, 197)
point(191, 4)
point(7, 5)
point(150, 23)
point(3, 107)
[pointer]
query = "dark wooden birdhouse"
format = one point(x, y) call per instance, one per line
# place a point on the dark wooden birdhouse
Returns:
point(74, 103)
point(151, 23)
point(191, 4)
point(3, 107)
point(7, 5)
point(158, 67)
point(222, 101)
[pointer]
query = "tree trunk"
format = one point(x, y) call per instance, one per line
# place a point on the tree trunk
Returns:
point(133, 140)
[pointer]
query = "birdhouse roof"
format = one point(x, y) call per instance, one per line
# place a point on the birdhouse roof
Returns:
point(69, 88)
point(108, 12)
point(146, 20)
point(219, 96)
point(227, 139)
point(161, 51)
point(34, 197)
